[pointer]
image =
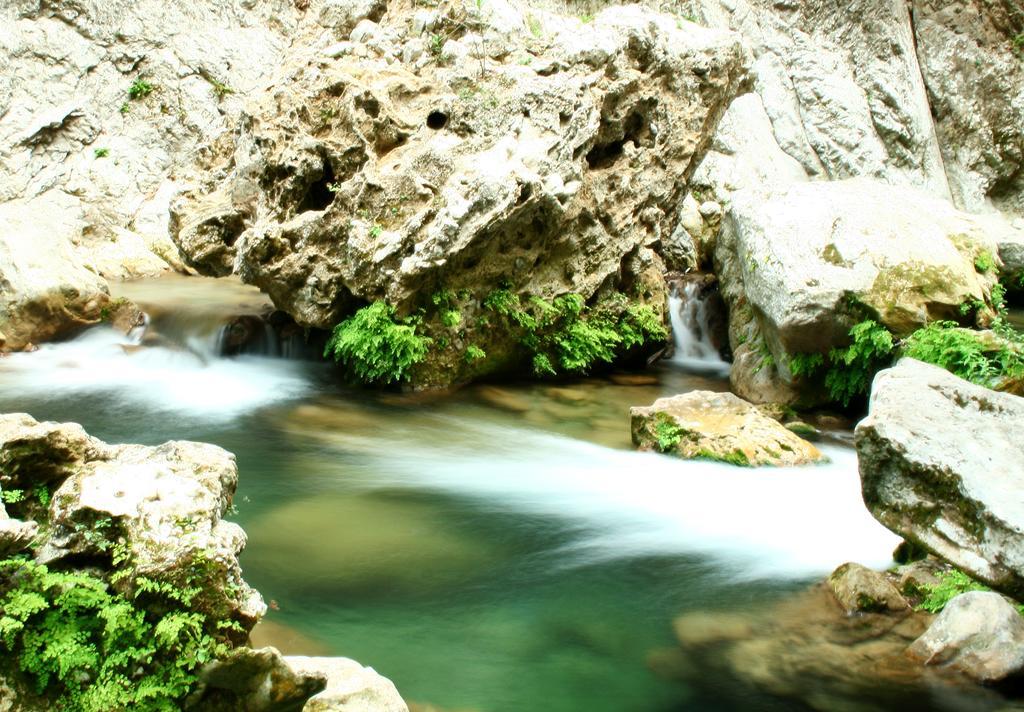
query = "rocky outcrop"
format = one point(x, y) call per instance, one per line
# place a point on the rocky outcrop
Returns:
point(718, 426)
point(398, 164)
point(161, 507)
point(940, 464)
point(970, 57)
point(801, 267)
point(978, 633)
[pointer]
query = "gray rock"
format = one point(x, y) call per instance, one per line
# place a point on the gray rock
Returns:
point(791, 264)
point(718, 426)
point(859, 589)
point(349, 687)
point(256, 680)
point(163, 504)
point(466, 173)
point(940, 464)
point(975, 78)
point(978, 633)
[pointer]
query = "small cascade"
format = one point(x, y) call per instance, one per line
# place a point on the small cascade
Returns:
point(691, 331)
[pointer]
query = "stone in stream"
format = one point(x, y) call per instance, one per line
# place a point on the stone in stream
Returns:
point(718, 426)
point(942, 464)
point(859, 589)
point(978, 633)
point(165, 502)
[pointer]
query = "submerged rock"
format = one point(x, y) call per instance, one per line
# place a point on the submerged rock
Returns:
point(164, 505)
point(859, 589)
point(978, 633)
point(718, 426)
point(940, 464)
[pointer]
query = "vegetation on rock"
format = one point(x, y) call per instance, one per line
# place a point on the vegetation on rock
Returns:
point(564, 336)
point(374, 347)
point(87, 647)
point(987, 359)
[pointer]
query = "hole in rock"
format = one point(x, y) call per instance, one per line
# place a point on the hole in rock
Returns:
point(319, 195)
point(437, 120)
point(604, 154)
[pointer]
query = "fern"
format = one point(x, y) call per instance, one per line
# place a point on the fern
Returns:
point(951, 584)
point(374, 347)
point(90, 649)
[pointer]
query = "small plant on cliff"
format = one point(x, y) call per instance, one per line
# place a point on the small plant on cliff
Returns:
point(101, 152)
point(374, 347)
point(140, 89)
point(90, 649)
point(984, 262)
point(565, 336)
point(474, 353)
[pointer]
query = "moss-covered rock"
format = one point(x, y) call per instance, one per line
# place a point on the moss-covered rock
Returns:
point(720, 427)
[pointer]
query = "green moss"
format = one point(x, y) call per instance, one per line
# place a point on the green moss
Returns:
point(736, 457)
point(565, 336)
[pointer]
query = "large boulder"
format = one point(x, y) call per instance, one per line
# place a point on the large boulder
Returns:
point(157, 510)
point(978, 633)
point(800, 267)
point(940, 464)
point(491, 159)
point(718, 426)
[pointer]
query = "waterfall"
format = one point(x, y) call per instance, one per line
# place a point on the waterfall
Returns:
point(691, 332)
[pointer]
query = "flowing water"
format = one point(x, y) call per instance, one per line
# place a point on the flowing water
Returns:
point(691, 332)
point(499, 549)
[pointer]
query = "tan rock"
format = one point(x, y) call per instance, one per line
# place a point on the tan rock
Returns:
point(718, 426)
point(860, 589)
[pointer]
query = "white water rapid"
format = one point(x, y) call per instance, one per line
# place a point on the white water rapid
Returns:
point(691, 333)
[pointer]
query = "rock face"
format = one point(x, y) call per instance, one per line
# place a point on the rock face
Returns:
point(970, 57)
point(978, 633)
point(940, 464)
point(718, 426)
point(549, 167)
point(162, 504)
point(800, 267)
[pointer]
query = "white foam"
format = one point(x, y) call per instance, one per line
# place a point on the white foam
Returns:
point(191, 382)
point(755, 522)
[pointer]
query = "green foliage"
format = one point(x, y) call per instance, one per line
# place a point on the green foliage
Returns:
point(849, 370)
point(984, 262)
point(667, 433)
point(374, 347)
point(140, 89)
point(12, 496)
point(474, 353)
point(90, 649)
point(376, 230)
point(951, 584)
point(965, 353)
point(565, 336)
point(451, 318)
point(436, 46)
point(220, 89)
point(125, 108)
point(101, 152)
